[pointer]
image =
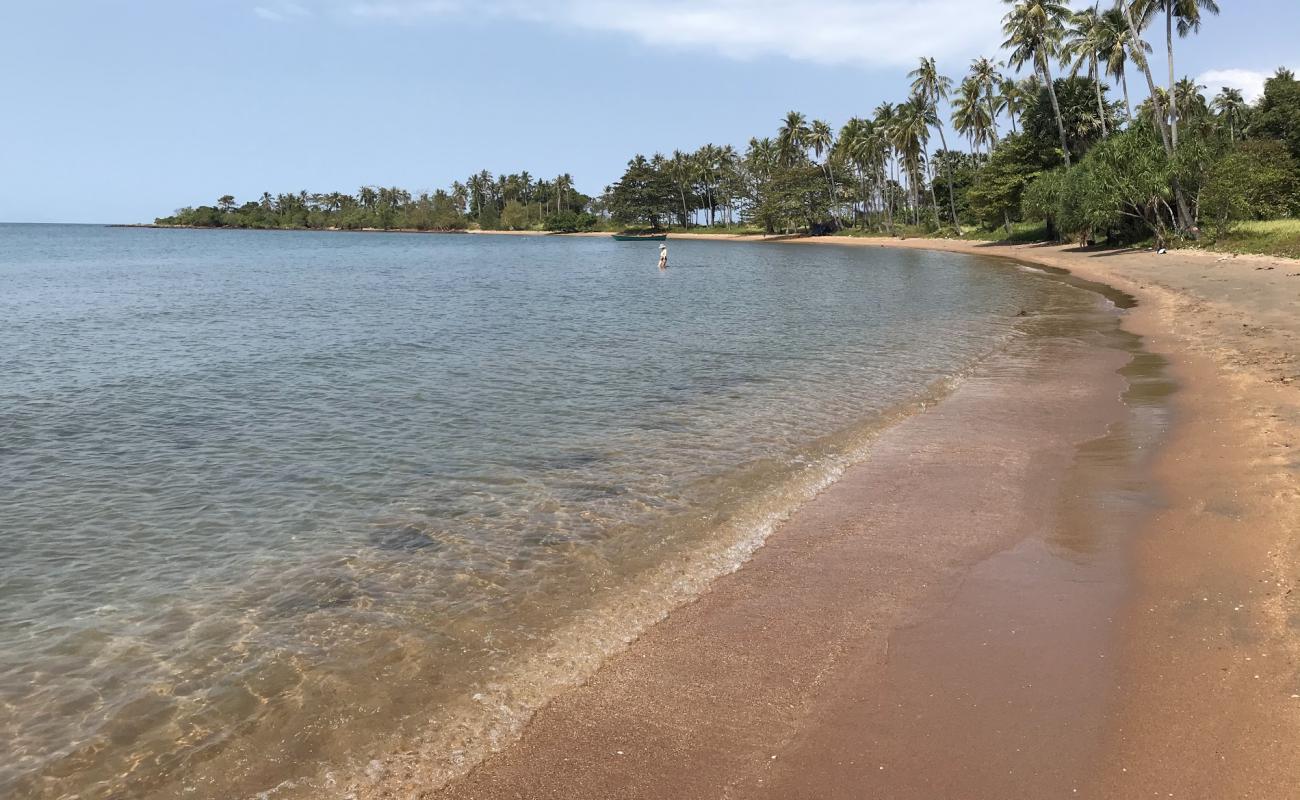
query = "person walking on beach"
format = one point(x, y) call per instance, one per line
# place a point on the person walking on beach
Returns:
point(663, 256)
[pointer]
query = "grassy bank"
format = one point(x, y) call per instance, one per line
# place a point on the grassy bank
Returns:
point(1279, 237)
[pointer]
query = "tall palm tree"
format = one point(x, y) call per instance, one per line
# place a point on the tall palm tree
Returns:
point(792, 138)
point(822, 140)
point(1116, 43)
point(682, 173)
point(1229, 104)
point(1188, 99)
point(984, 71)
point(1185, 17)
point(910, 134)
point(1034, 29)
point(1084, 40)
point(1013, 100)
point(931, 87)
point(1134, 10)
point(970, 115)
point(883, 118)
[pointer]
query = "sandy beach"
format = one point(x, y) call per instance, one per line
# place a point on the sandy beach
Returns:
point(1019, 594)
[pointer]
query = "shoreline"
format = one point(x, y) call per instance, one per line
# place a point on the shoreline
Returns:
point(1136, 744)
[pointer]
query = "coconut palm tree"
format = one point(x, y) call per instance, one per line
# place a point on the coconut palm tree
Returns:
point(792, 138)
point(682, 172)
point(1229, 104)
point(883, 118)
point(1034, 29)
point(1135, 10)
point(1012, 97)
point(1116, 43)
point(984, 71)
point(931, 87)
point(1188, 100)
point(822, 140)
point(910, 135)
point(1185, 17)
point(1084, 40)
point(971, 115)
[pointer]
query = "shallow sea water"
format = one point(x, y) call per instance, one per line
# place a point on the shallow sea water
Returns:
point(274, 503)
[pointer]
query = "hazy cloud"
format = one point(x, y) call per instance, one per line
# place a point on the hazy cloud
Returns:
point(281, 11)
point(1249, 81)
point(863, 32)
point(403, 10)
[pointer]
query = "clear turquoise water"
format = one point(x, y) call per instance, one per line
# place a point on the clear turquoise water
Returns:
point(273, 502)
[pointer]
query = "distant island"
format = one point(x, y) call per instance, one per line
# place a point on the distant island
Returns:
point(1046, 158)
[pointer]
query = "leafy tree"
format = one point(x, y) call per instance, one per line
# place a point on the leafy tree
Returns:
point(1278, 114)
point(998, 187)
point(515, 216)
point(1076, 109)
point(1256, 180)
point(644, 195)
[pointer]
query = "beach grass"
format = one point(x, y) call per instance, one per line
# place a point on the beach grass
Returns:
point(1021, 233)
point(1278, 237)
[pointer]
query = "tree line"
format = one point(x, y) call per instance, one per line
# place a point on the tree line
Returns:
point(1050, 134)
point(1052, 147)
point(505, 202)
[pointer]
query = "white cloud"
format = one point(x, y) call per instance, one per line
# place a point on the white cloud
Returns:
point(864, 32)
point(403, 10)
point(1249, 81)
point(281, 11)
point(891, 33)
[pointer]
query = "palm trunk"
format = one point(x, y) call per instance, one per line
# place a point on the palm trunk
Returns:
point(1162, 120)
point(1056, 109)
point(993, 113)
point(1169, 44)
point(1101, 104)
point(952, 196)
point(934, 197)
point(1128, 104)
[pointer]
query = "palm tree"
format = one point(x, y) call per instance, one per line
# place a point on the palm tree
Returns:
point(910, 135)
point(883, 118)
point(1229, 104)
point(984, 71)
point(1034, 29)
point(822, 140)
point(792, 138)
point(1117, 42)
point(1013, 98)
point(1086, 38)
point(1188, 100)
point(1143, 9)
point(1187, 14)
point(931, 87)
point(682, 172)
point(971, 116)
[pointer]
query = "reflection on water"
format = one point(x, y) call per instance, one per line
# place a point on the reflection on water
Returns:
point(271, 501)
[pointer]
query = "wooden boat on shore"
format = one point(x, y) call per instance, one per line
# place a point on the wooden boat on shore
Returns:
point(640, 237)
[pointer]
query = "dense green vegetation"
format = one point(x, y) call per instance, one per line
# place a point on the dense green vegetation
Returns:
point(1054, 153)
point(507, 202)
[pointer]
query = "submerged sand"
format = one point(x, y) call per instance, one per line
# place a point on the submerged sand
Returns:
point(1018, 595)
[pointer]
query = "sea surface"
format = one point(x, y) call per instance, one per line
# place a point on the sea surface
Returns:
point(274, 505)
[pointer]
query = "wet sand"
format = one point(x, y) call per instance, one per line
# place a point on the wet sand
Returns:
point(1018, 595)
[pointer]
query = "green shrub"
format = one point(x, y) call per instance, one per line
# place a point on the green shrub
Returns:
point(1257, 180)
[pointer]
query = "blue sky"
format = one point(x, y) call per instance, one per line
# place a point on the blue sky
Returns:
point(120, 111)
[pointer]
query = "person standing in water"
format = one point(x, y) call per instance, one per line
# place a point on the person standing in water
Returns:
point(663, 256)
